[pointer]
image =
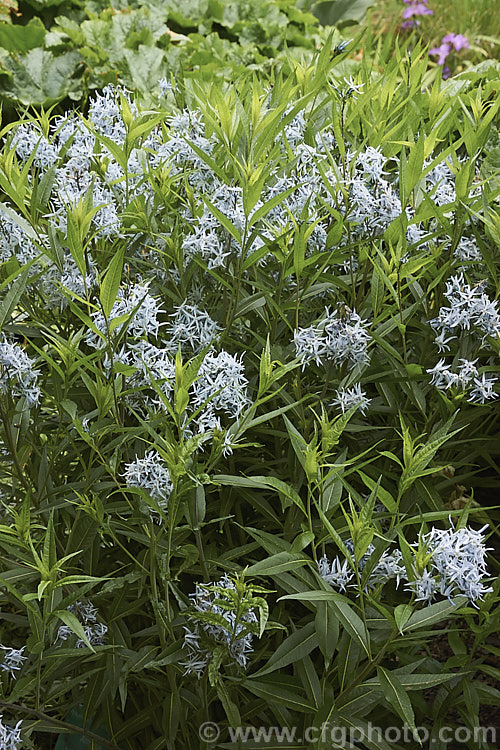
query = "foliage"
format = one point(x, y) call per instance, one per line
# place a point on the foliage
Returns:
point(247, 391)
point(98, 43)
point(477, 21)
point(338, 12)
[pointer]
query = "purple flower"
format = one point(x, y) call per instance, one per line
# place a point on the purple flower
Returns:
point(449, 42)
point(443, 51)
point(406, 25)
point(417, 8)
point(459, 41)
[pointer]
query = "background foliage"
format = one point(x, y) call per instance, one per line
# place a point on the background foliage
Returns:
point(166, 265)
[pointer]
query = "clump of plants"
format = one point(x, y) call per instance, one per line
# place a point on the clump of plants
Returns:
point(459, 33)
point(249, 357)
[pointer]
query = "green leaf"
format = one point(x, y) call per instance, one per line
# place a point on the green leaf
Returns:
point(49, 555)
point(25, 225)
point(397, 696)
point(434, 613)
point(17, 38)
point(331, 13)
point(145, 66)
point(277, 564)
point(377, 290)
point(272, 691)
point(13, 296)
point(262, 483)
point(36, 640)
point(402, 614)
point(413, 171)
point(74, 624)
point(418, 681)
point(327, 630)
point(343, 610)
point(111, 282)
point(231, 709)
point(226, 223)
point(293, 648)
point(39, 77)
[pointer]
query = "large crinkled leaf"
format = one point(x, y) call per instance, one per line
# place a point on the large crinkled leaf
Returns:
point(39, 77)
point(110, 37)
point(333, 12)
point(191, 13)
point(146, 67)
point(16, 38)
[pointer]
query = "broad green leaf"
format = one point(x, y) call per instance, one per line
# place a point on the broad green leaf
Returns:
point(332, 13)
point(17, 38)
point(39, 77)
point(298, 644)
point(273, 691)
point(145, 66)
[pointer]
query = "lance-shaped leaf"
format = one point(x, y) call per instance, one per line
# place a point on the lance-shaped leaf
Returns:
point(345, 613)
point(111, 282)
point(279, 563)
point(293, 648)
point(397, 696)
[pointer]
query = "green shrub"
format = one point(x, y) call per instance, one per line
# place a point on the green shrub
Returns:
point(249, 349)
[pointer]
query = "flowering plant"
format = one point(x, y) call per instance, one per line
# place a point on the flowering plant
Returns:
point(222, 327)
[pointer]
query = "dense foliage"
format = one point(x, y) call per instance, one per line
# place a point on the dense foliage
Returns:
point(63, 49)
point(248, 383)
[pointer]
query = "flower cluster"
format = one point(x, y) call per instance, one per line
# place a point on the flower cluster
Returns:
point(136, 308)
point(221, 386)
point(191, 327)
point(346, 398)
point(444, 379)
point(17, 374)
point(219, 389)
point(150, 474)
point(14, 240)
point(10, 737)
point(467, 250)
point(416, 8)
point(456, 566)
point(220, 620)
point(338, 337)
point(448, 43)
point(147, 363)
point(469, 306)
point(339, 573)
point(94, 631)
point(13, 659)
